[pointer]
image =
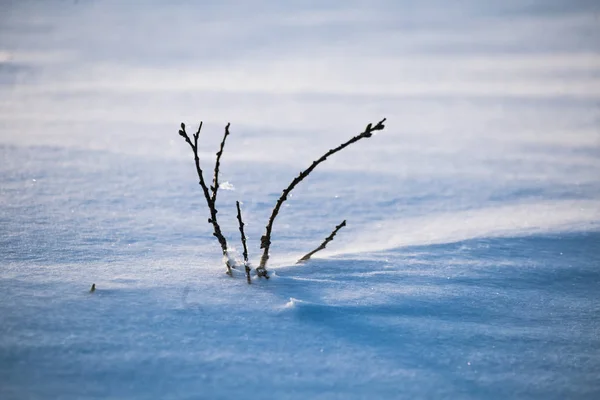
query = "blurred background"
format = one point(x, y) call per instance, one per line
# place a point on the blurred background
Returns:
point(491, 106)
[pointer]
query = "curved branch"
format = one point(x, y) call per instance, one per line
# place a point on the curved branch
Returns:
point(265, 240)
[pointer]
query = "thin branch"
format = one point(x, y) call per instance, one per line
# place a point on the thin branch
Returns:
point(265, 240)
point(211, 204)
point(215, 185)
point(324, 244)
point(246, 264)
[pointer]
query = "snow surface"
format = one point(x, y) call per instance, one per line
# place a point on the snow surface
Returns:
point(470, 266)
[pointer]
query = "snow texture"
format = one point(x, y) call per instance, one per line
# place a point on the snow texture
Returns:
point(470, 266)
point(226, 186)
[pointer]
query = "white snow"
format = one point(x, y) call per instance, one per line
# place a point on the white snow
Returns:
point(469, 267)
point(226, 186)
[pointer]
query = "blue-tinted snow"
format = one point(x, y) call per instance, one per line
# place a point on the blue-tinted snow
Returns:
point(470, 266)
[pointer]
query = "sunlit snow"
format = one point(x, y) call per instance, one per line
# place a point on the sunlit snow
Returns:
point(469, 266)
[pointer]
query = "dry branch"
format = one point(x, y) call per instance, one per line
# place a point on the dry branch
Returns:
point(215, 185)
point(210, 200)
point(265, 240)
point(241, 222)
point(324, 244)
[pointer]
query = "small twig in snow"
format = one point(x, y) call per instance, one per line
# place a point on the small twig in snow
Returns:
point(241, 222)
point(324, 244)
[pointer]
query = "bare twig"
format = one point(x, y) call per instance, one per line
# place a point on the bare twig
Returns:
point(215, 185)
point(324, 244)
point(209, 199)
point(265, 240)
point(246, 264)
